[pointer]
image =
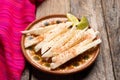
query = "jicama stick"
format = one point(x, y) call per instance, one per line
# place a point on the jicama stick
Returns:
point(48, 45)
point(61, 42)
point(71, 53)
point(79, 37)
point(33, 41)
point(61, 28)
point(38, 31)
point(73, 41)
point(39, 46)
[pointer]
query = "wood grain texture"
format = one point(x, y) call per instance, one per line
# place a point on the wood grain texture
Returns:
point(112, 18)
point(53, 7)
point(103, 15)
point(38, 75)
point(26, 73)
point(103, 69)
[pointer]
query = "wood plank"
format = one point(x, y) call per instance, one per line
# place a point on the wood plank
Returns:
point(53, 7)
point(102, 69)
point(38, 75)
point(112, 18)
point(26, 73)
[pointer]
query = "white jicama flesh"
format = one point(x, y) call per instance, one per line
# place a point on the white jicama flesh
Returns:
point(38, 31)
point(71, 53)
point(60, 28)
point(39, 46)
point(33, 41)
point(50, 35)
point(73, 41)
point(60, 42)
point(48, 45)
point(79, 37)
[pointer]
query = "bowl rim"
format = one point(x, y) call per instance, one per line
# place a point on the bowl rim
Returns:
point(33, 63)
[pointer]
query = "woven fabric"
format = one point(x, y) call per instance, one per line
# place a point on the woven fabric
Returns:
point(15, 15)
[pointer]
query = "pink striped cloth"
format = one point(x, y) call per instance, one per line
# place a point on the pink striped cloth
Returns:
point(15, 15)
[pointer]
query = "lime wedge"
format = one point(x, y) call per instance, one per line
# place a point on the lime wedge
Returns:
point(83, 23)
point(72, 18)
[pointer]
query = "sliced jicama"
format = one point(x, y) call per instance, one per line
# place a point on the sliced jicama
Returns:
point(73, 41)
point(79, 37)
point(60, 28)
point(50, 35)
point(48, 45)
point(72, 53)
point(60, 42)
point(38, 31)
point(39, 46)
point(33, 41)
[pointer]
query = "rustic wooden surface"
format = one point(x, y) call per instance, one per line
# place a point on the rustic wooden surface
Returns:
point(103, 15)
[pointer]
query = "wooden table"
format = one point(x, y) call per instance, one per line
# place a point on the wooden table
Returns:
point(103, 15)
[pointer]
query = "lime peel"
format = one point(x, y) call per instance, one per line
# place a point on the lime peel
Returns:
point(80, 25)
point(83, 23)
point(72, 18)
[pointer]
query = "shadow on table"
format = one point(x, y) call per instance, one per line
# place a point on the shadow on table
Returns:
point(37, 75)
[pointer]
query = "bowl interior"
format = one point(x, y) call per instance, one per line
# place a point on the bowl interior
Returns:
point(77, 64)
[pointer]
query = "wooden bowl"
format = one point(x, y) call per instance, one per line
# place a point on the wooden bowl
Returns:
point(72, 66)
